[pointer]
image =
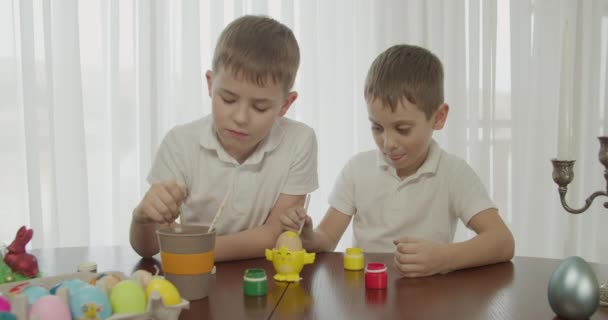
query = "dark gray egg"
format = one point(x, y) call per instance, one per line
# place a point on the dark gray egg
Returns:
point(573, 289)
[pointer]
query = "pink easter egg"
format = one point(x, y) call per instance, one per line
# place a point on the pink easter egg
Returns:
point(50, 308)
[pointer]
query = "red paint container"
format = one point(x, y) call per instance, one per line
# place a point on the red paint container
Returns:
point(376, 276)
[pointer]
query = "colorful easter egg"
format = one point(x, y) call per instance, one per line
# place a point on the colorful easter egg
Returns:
point(143, 277)
point(33, 293)
point(7, 316)
point(5, 304)
point(71, 285)
point(289, 240)
point(17, 289)
point(89, 302)
point(128, 297)
point(166, 289)
point(109, 281)
point(50, 308)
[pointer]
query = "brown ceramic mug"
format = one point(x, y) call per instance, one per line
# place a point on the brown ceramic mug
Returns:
point(187, 256)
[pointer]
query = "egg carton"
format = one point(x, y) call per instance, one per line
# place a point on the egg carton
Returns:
point(155, 309)
point(604, 294)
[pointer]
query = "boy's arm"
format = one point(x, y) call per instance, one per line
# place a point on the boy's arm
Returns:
point(143, 238)
point(327, 235)
point(242, 245)
point(252, 242)
point(493, 243)
point(160, 206)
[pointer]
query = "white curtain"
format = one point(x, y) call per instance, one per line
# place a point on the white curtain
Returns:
point(89, 88)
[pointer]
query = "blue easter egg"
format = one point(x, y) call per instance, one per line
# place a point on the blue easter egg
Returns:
point(33, 293)
point(7, 316)
point(89, 302)
point(71, 285)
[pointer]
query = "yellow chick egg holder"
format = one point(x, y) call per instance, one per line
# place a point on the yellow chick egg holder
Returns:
point(288, 258)
point(155, 308)
point(288, 263)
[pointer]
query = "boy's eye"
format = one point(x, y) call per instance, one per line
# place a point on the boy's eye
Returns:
point(260, 108)
point(403, 131)
point(376, 129)
point(228, 100)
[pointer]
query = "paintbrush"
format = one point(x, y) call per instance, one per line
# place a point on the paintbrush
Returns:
point(218, 213)
point(306, 202)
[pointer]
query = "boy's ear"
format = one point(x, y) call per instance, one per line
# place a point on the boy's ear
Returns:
point(441, 115)
point(209, 76)
point(291, 97)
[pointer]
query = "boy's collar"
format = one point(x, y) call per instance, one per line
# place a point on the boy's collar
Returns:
point(210, 141)
point(429, 165)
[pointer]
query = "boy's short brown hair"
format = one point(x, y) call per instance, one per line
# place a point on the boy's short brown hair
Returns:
point(258, 48)
point(405, 71)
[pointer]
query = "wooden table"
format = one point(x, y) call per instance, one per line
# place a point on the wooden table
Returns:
point(514, 290)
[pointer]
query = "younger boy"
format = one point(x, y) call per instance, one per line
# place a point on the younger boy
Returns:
point(246, 148)
point(407, 196)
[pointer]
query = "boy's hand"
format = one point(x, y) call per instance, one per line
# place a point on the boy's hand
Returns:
point(419, 258)
point(160, 204)
point(293, 218)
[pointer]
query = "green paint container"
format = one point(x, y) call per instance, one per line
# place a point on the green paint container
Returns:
point(255, 282)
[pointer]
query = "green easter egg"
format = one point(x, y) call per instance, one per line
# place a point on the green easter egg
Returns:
point(128, 297)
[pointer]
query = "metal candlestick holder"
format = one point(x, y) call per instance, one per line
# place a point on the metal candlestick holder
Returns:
point(563, 173)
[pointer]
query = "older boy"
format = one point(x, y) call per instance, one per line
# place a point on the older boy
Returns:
point(407, 196)
point(246, 148)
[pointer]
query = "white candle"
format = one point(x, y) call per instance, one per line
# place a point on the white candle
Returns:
point(606, 105)
point(606, 99)
point(565, 128)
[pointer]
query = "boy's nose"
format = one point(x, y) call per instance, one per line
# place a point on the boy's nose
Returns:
point(240, 115)
point(388, 142)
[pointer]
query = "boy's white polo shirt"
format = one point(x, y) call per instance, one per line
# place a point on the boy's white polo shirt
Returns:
point(425, 205)
point(190, 154)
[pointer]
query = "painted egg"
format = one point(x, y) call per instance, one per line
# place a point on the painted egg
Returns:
point(7, 316)
point(573, 289)
point(5, 304)
point(128, 297)
point(33, 293)
point(109, 281)
point(143, 277)
point(89, 302)
point(17, 289)
point(290, 240)
point(50, 308)
point(71, 285)
point(166, 289)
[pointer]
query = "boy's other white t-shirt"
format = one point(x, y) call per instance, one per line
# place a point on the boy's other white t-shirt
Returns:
point(426, 205)
point(191, 155)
